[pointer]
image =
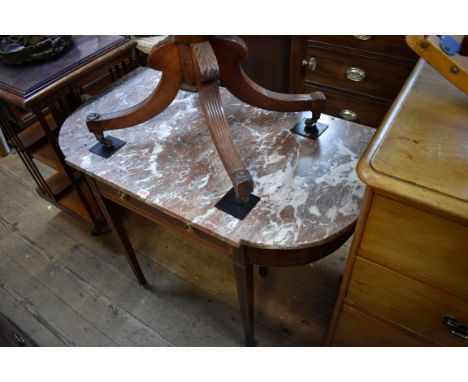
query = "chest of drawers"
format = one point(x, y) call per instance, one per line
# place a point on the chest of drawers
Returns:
point(407, 273)
point(360, 75)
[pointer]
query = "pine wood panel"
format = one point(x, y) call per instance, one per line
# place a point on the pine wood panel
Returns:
point(417, 243)
point(427, 150)
point(360, 329)
point(407, 302)
point(419, 153)
point(409, 268)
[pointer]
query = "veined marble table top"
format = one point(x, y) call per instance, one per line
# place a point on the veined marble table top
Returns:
point(309, 189)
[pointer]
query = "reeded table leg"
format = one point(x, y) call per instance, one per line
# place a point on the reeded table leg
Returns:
point(110, 211)
point(244, 280)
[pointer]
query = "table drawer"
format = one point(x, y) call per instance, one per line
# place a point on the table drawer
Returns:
point(359, 329)
point(133, 204)
point(394, 46)
point(406, 302)
point(364, 75)
point(417, 243)
point(357, 109)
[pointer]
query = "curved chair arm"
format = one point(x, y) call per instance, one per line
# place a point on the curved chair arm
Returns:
point(163, 57)
point(230, 52)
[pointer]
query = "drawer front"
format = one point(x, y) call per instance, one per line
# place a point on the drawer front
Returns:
point(420, 244)
point(341, 105)
point(355, 73)
point(359, 329)
point(394, 46)
point(135, 205)
point(406, 302)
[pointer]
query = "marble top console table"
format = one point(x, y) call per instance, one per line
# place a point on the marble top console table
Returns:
point(170, 172)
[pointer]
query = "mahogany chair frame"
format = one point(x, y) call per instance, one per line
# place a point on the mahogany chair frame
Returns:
point(203, 63)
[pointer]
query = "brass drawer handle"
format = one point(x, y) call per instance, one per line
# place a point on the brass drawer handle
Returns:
point(362, 37)
point(123, 196)
point(355, 74)
point(310, 64)
point(456, 328)
point(189, 228)
point(349, 115)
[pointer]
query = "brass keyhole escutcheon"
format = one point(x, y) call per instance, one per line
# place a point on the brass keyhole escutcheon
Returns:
point(123, 196)
point(189, 228)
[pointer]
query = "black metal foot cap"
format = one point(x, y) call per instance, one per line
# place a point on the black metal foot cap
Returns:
point(312, 132)
point(229, 204)
point(106, 152)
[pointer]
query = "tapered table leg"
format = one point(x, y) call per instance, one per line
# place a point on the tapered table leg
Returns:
point(244, 279)
point(111, 213)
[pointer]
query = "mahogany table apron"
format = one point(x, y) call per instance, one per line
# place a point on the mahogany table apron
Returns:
point(169, 171)
point(36, 98)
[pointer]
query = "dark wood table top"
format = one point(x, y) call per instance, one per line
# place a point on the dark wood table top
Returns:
point(309, 189)
point(24, 81)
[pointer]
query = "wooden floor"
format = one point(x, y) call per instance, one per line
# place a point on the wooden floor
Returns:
point(67, 288)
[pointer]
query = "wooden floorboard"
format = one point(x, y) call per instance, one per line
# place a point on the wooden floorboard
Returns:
point(77, 294)
point(20, 312)
point(62, 319)
point(191, 299)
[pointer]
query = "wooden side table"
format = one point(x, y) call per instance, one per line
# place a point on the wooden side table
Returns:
point(169, 171)
point(36, 98)
point(406, 279)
